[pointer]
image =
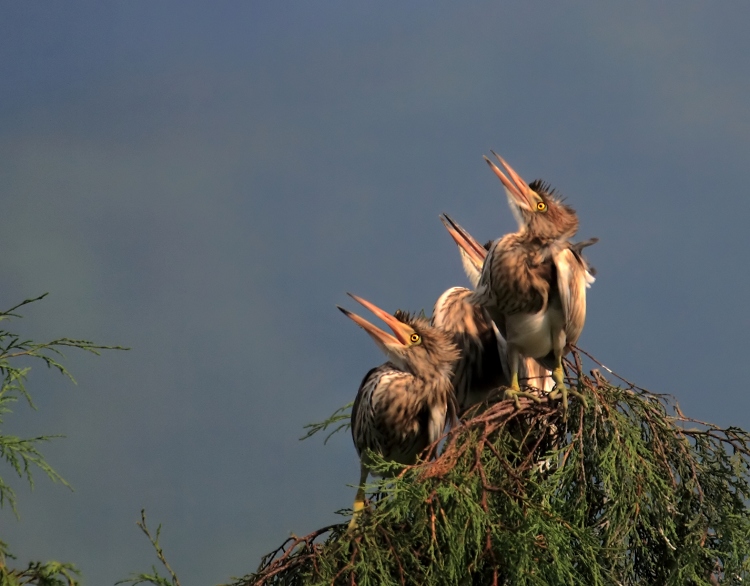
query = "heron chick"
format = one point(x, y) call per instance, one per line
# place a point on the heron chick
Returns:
point(403, 405)
point(533, 282)
point(483, 366)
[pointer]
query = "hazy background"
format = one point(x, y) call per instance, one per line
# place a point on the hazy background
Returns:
point(203, 182)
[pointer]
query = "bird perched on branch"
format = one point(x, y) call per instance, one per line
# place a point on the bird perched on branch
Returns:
point(483, 366)
point(402, 406)
point(533, 283)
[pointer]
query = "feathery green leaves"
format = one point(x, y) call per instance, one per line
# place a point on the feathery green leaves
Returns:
point(336, 418)
point(22, 454)
point(626, 491)
point(153, 578)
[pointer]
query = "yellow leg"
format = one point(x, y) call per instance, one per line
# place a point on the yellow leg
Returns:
point(558, 375)
point(359, 499)
point(514, 391)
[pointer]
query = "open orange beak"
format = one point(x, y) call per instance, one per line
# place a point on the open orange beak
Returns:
point(517, 188)
point(400, 329)
point(475, 251)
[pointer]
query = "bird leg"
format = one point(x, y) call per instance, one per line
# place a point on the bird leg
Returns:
point(558, 375)
point(359, 499)
point(514, 391)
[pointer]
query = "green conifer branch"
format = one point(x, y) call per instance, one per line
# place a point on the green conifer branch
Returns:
point(627, 491)
point(341, 414)
point(22, 454)
point(40, 574)
point(153, 578)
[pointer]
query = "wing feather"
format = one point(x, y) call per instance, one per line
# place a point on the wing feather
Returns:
point(572, 280)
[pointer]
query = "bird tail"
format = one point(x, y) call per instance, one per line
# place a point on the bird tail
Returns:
point(539, 376)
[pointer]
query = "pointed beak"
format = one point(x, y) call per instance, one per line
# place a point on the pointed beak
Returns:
point(516, 188)
point(465, 241)
point(401, 330)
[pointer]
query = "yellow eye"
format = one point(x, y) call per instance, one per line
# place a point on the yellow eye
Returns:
point(414, 338)
point(541, 207)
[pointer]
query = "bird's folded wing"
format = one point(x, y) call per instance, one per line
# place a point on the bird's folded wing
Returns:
point(502, 349)
point(511, 282)
point(571, 283)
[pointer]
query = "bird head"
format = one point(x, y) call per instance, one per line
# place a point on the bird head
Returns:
point(472, 253)
point(416, 346)
point(536, 207)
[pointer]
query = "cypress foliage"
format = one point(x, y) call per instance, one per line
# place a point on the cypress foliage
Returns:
point(23, 455)
point(625, 491)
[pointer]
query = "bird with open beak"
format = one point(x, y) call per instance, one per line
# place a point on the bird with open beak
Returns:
point(403, 405)
point(533, 282)
point(483, 366)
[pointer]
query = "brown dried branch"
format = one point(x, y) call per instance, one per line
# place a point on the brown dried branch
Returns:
point(293, 553)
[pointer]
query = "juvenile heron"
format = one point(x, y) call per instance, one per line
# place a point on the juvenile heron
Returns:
point(483, 366)
point(402, 406)
point(533, 283)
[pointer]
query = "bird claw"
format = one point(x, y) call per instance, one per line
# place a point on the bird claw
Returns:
point(514, 394)
point(562, 389)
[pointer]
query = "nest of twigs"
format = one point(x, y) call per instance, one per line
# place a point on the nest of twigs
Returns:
point(626, 490)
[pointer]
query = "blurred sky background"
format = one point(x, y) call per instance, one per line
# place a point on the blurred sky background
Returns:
point(203, 182)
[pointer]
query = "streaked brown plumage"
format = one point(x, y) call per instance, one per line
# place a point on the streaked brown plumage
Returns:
point(483, 366)
point(533, 283)
point(480, 368)
point(403, 405)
